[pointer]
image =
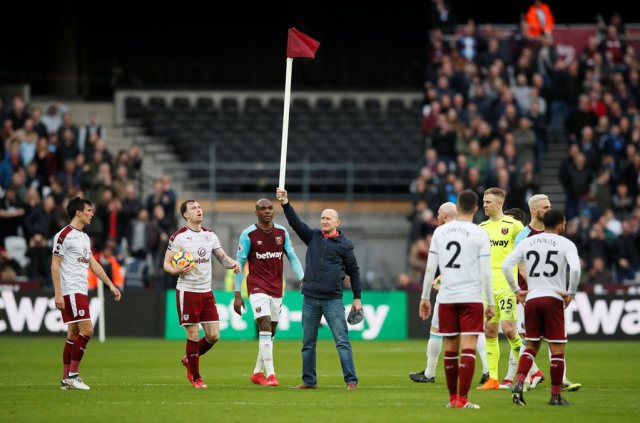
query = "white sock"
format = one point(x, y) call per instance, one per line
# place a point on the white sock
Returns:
point(513, 365)
point(259, 366)
point(482, 352)
point(266, 351)
point(434, 346)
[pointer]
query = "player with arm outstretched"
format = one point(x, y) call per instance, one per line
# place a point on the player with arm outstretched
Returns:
point(263, 245)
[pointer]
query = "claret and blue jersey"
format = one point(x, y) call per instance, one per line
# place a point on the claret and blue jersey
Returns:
point(264, 250)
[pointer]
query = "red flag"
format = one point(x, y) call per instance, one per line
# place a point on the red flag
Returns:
point(301, 45)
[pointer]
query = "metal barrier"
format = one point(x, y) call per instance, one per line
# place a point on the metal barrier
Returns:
point(216, 178)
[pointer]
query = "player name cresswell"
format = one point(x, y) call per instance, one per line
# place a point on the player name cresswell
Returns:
point(268, 255)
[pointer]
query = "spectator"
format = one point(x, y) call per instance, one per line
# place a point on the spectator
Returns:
point(52, 119)
point(598, 273)
point(441, 16)
point(12, 211)
point(18, 114)
point(38, 126)
point(626, 254)
point(90, 128)
point(539, 19)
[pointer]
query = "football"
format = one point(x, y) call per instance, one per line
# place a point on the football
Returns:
point(182, 258)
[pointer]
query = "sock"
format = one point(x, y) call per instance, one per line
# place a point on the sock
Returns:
point(434, 346)
point(493, 356)
point(66, 358)
point(265, 345)
point(467, 367)
point(524, 364)
point(193, 358)
point(451, 373)
point(515, 344)
point(79, 346)
point(204, 345)
point(482, 352)
point(513, 366)
point(564, 375)
point(557, 370)
point(259, 366)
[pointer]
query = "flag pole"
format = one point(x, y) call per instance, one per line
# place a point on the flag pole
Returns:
point(101, 317)
point(285, 122)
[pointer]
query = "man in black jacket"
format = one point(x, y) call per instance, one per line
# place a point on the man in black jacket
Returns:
point(329, 257)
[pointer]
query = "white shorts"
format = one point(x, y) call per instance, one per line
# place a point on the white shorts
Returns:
point(265, 305)
point(520, 311)
point(435, 318)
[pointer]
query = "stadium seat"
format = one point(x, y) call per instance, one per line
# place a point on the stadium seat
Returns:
point(204, 103)
point(181, 103)
point(17, 249)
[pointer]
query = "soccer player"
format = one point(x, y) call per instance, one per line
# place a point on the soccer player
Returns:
point(263, 245)
point(461, 250)
point(502, 231)
point(539, 204)
point(546, 257)
point(195, 302)
point(446, 213)
point(69, 263)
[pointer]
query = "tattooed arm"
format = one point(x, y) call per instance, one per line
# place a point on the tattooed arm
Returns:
point(226, 261)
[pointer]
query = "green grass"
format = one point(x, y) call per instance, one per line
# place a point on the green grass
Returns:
point(142, 380)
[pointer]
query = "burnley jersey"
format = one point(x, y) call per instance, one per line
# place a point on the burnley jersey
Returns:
point(200, 244)
point(264, 250)
point(74, 247)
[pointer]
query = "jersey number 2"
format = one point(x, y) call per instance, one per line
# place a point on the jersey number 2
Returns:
point(452, 263)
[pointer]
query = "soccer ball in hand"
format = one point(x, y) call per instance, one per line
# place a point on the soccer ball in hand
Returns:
point(182, 258)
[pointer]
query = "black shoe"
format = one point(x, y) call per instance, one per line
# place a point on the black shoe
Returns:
point(558, 401)
point(517, 394)
point(484, 378)
point(419, 377)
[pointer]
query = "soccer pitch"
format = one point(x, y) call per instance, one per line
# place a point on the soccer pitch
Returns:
point(141, 380)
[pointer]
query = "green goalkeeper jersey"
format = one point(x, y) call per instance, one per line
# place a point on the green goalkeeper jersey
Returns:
point(502, 235)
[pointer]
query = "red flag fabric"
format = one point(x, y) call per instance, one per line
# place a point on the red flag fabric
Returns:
point(301, 45)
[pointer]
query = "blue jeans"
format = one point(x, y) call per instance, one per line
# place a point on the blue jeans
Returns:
point(333, 311)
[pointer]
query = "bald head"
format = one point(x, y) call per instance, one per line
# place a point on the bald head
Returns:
point(447, 212)
point(329, 221)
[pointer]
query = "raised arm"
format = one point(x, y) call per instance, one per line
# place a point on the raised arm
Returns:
point(302, 229)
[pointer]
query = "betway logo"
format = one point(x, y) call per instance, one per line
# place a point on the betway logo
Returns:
point(268, 255)
point(501, 243)
point(618, 316)
point(33, 312)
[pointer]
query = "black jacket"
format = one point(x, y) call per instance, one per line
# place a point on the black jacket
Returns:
point(327, 260)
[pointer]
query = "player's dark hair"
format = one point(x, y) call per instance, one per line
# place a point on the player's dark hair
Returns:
point(183, 207)
point(75, 205)
point(516, 213)
point(467, 201)
point(553, 218)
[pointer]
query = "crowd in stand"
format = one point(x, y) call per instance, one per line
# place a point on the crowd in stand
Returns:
point(45, 160)
point(493, 104)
